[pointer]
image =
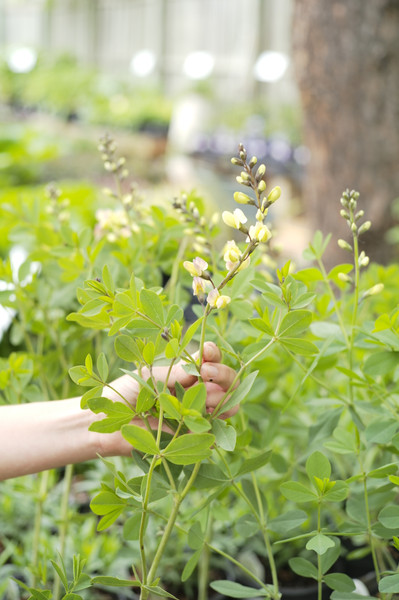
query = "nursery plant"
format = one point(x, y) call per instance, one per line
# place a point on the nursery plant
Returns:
point(301, 482)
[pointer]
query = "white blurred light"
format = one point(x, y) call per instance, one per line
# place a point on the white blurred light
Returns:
point(270, 66)
point(143, 63)
point(198, 65)
point(22, 60)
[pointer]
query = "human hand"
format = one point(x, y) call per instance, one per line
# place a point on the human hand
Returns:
point(216, 376)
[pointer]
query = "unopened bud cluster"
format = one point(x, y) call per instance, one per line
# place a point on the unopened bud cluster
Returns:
point(112, 163)
point(251, 177)
point(352, 216)
point(201, 228)
point(57, 207)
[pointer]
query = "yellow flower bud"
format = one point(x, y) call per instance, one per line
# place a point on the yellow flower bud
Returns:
point(345, 246)
point(262, 185)
point(260, 172)
point(376, 289)
point(344, 278)
point(274, 194)
point(365, 227)
point(242, 198)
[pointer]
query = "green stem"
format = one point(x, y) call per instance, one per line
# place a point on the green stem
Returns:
point(171, 522)
point(369, 531)
point(266, 537)
point(355, 309)
point(319, 572)
point(44, 480)
point(238, 375)
point(217, 551)
point(203, 563)
point(64, 523)
point(203, 330)
point(334, 300)
point(171, 286)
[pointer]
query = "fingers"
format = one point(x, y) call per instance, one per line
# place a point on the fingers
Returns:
point(211, 353)
point(214, 396)
point(220, 374)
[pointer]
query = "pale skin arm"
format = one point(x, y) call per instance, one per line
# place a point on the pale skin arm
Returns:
point(45, 435)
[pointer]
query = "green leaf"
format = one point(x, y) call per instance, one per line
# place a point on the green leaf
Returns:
point(89, 364)
point(189, 448)
point(261, 326)
point(210, 476)
point(254, 463)
point(108, 519)
point(131, 528)
point(318, 465)
point(389, 584)
point(389, 517)
point(145, 400)
point(293, 490)
point(171, 406)
point(172, 349)
point(225, 435)
point(188, 336)
point(149, 353)
point(384, 471)
point(320, 543)
point(140, 439)
point(196, 424)
point(107, 279)
point(191, 564)
point(339, 582)
point(61, 574)
point(142, 328)
point(127, 349)
point(231, 589)
point(303, 300)
point(240, 393)
point(381, 431)
point(114, 581)
point(158, 591)
point(152, 306)
point(106, 502)
point(337, 493)
point(303, 567)
point(102, 367)
point(195, 397)
point(350, 596)
point(294, 322)
point(195, 538)
point(381, 363)
point(288, 521)
point(299, 346)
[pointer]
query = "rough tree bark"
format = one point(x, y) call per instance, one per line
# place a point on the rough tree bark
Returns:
point(346, 58)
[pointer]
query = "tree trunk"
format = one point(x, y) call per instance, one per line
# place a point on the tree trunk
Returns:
point(346, 57)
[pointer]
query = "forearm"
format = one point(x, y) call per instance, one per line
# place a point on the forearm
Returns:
point(44, 435)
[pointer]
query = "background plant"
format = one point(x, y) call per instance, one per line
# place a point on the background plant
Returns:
point(317, 425)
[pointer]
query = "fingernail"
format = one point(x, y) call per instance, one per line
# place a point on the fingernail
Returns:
point(211, 371)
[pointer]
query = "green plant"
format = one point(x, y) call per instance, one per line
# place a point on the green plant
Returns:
point(309, 461)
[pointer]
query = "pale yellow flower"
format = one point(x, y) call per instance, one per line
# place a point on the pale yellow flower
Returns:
point(234, 219)
point(197, 267)
point(216, 300)
point(259, 232)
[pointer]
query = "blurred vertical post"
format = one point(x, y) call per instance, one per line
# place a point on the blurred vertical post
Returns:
point(346, 57)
